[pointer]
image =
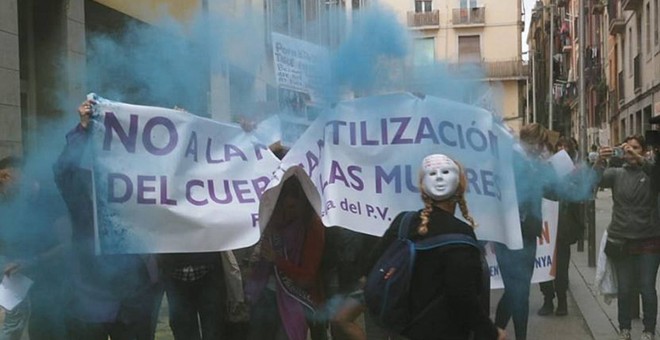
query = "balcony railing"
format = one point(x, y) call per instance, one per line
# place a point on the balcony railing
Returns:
point(424, 19)
point(617, 22)
point(469, 16)
point(637, 76)
point(631, 5)
point(494, 70)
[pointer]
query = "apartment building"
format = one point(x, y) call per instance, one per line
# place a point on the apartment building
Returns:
point(482, 32)
point(633, 65)
point(554, 44)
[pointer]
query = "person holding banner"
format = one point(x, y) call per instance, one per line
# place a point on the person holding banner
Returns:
point(633, 242)
point(113, 294)
point(533, 179)
point(284, 286)
point(570, 227)
point(449, 298)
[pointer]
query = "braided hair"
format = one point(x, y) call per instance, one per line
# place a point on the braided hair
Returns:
point(458, 198)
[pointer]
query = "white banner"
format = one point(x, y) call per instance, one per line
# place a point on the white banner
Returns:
point(168, 181)
point(544, 265)
point(363, 158)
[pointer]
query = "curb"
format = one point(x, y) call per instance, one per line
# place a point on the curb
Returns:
point(599, 324)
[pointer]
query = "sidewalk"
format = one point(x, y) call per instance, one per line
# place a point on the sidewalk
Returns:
point(600, 317)
point(588, 315)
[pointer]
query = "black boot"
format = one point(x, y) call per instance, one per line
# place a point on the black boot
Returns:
point(562, 308)
point(547, 308)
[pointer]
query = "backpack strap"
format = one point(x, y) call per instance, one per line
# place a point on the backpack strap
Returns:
point(404, 224)
point(445, 240)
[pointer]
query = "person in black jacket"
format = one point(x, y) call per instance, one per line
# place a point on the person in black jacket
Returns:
point(447, 296)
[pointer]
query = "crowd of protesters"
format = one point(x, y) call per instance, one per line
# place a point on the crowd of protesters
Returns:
point(303, 280)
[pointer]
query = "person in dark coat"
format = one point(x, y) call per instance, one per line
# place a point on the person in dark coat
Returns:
point(447, 295)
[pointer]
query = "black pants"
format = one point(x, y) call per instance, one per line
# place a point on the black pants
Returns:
point(559, 285)
point(188, 300)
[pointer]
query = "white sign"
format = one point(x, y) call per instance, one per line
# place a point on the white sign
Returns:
point(544, 263)
point(13, 290)
point(363, 159)
point(299, 65)
point(167, 181)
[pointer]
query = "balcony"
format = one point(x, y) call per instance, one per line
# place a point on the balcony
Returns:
point(475, 16)
point(505, 70)
point(424, 19)
point(597, 7)
point(631, 5)
point(493, 70)
point(617, 25)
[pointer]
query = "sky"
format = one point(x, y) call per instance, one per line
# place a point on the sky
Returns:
point(527, 9)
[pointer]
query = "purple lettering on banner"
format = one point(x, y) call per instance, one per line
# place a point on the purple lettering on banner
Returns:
point(352, 133)
point(363, 135)
point(312, 162)
point(260, 184)
point(163, 192)
point(354, 172)
point(241, 192)
point(472, 179)
point(111, 188)
point(425, 130)
point(192, 146)
point(335, 124)
point(233, 151)
point(214, 196)
point(142, 188)
point(171, 130)
point(209, 159)
point(189, 186)
point(411, 179)
point(258, 147)
point(441, 132)
point(461, 137)
point(112, 124)
point(489, 183)
point(398, 135)
point(384, 132)
point(336, 173)
point(383, 176)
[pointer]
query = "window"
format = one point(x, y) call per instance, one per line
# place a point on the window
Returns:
point(656, 34)
point(469, 49)
point(423, 51)
point(630, 53)
point(422, 6)
point(648, 29)
point(468, 3)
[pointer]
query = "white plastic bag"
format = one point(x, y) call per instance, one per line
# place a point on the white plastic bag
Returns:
point(605, 280)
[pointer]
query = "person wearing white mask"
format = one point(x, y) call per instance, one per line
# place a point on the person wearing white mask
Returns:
point(447, 293)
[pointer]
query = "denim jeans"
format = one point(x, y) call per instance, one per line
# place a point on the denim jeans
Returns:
point(188, 300)
point(516, 267)
point(637, 271)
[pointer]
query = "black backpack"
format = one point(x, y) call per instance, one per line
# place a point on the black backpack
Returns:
point(387, 289)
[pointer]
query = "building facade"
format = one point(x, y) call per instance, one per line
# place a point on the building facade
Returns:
point(482, 32)
point(622, 66)
point(633, 66)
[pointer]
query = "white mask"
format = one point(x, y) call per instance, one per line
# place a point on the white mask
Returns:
point(441, 177)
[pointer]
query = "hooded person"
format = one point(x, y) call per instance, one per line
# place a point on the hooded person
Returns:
point(446, 285)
